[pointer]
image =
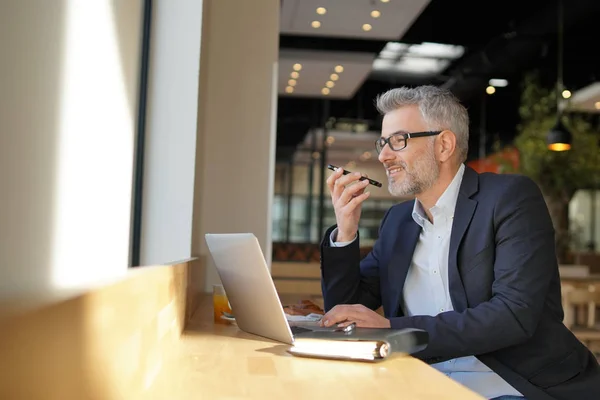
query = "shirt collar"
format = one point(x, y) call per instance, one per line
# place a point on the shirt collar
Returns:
point(445, 204)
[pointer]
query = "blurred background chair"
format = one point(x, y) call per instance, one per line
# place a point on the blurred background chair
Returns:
point(581, 313)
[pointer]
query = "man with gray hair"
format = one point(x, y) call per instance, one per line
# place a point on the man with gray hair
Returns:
point(471, 260)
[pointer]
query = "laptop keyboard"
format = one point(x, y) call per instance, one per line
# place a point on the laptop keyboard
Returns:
point(299, 329)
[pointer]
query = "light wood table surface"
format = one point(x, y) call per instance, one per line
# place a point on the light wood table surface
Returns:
point(213, 361)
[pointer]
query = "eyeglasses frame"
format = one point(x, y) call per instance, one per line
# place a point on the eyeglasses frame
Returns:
point(406, 137)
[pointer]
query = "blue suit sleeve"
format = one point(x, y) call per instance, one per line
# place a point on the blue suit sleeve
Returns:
point(347, 280)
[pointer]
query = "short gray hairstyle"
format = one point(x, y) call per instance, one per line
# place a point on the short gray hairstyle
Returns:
point(439, 107)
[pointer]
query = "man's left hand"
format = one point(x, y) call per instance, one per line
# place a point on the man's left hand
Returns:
point(343, 315)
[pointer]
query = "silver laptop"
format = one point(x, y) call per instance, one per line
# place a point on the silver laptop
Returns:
point(250, 288)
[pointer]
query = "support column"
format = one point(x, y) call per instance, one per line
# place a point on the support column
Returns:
point(323, 159)
point(235, 162)
point(289, 198)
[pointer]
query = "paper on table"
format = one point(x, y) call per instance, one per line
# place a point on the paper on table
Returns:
point(304, 318)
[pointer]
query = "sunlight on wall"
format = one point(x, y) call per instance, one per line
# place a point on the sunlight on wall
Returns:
point(95, 152)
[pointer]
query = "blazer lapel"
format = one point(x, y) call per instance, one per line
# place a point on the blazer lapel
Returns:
point(406, 241)
point(463, 213)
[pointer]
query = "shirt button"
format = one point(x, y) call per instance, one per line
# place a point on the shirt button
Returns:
point(435, 271)
point(441, 310)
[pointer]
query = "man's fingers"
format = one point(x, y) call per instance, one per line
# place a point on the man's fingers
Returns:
point(341, 313)
point(352, 191)
point(345, 324)
point(338, 183)
point(333, 178)
point(356, 201)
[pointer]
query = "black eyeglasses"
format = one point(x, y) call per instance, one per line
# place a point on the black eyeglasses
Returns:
point(397, 141)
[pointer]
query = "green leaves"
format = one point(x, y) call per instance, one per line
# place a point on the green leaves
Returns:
point(559, 174)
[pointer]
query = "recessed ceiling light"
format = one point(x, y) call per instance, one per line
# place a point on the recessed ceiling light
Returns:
point(329, 84)
point(321, 10)
point(289, 89)
point(334, 77)
point(315, 24)
point(295, 75)
point(325, 91)
point(566, 94)
point(385, 1)
point(339, 69)
point(367, 27)
point(375, 14)
point(292, 82)
point(490, 90)
point(498, 82)
point(297, 67)
point(597, 105)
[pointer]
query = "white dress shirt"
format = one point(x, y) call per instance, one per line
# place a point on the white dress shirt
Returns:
point(426, 290)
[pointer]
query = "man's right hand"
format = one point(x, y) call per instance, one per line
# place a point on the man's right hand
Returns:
point(347, 196)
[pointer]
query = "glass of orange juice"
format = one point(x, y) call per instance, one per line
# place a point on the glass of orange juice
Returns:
point(220, 303)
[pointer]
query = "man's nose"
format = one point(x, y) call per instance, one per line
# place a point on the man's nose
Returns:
point(386, 154)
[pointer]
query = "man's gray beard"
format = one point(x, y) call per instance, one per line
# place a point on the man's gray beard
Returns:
point(421, 177)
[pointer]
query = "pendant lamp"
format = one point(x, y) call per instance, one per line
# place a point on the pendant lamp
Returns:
point(559, 138)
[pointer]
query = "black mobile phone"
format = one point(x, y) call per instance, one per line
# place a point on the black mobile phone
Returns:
point(362, 178)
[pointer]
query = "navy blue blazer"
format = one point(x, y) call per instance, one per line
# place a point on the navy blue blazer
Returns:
point(503, 280)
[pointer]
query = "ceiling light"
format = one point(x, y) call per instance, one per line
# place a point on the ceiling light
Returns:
point(289, 89)
point(417, 66)
point(393, 50)
point(339, 69)
point(295, 75)
point(321, 10)
point(325, 91)
point(597, 105)
point(566, 94)
point(440, 50)
point(329, 84)
point(292, 82)
point(498, 82)
point(490, 90)
point(375, 14)
point(385, 1)
point(367, 27)
point(335, 77)
point(418, 59)
point(297, 67)
point(315, 24)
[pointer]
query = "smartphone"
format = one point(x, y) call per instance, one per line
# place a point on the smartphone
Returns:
point(362, 178)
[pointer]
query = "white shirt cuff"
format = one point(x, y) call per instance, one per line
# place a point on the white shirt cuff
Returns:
point(333, 237)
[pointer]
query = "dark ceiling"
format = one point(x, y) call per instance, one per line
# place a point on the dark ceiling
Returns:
point(502, 39)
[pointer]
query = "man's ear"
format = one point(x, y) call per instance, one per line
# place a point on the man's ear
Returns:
point(446, 145)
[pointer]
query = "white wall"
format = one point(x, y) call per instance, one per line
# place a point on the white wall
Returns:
point(237, 122)
point(170, 151)
point(580, 215)
point(68, 90)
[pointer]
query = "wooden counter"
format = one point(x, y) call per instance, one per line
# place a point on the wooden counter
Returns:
point(221, 362)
